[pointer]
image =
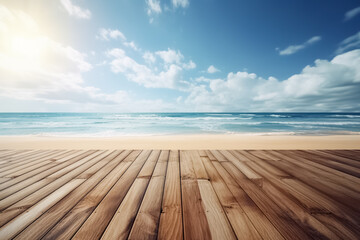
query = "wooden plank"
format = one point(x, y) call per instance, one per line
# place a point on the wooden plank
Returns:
point(25, 176)
point(194, 218)
point(22, 205)
point(344, 153)
point(8, 158)
point(218, 156)
point(335, 207)
point(170, 226)
point(330, 163)
point(246, 155)
point(263, 155)
point(26, 160)
point(285, 195)
point(18, 224)
point(147, 220)
point(43, 224)
point(72, 221)
point(22, 189)
point(332, 188)
point(50, 160)
point(202, 153)
point(279, 218)
point(269, 168)
point(331, 156)
point(97, 222)
point(198, 166)
point(210, 155)
point(219, 225)
point(120, 225)
point(8, 152)
point(13, 154)
point(4, 179)
point(319, 170)
point(36, 160)
point(239, 156)
point(248, 172)
point(240, 222)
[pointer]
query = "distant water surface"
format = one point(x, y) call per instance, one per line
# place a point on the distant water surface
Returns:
point(132, 124)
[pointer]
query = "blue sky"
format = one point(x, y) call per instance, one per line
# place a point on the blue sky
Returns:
point(179, 55)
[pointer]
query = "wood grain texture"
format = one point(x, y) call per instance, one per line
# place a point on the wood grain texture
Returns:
point(172, 194)
point(171, 215)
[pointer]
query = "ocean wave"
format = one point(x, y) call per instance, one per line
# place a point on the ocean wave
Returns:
point(345, 116)
point(279, 116)
point(316, 123)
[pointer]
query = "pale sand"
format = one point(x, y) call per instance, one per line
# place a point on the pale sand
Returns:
point(233, 141)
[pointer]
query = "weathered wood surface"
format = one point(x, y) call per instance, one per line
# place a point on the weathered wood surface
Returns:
point(171, 194)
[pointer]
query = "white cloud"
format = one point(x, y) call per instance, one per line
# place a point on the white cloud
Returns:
point(349, 43)
point(149, 57)
point(107, 34)
point(180, 3)
point(326, 86)
point(352, 13)
point(131, 45)
point(153, 8)
point(189, 65)
point(74, 10)
point(212, 69)
point(295, 48)
point(143, 75)
point(170, 56)
point(169, 75)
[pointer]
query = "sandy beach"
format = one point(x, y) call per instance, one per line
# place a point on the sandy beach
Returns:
point(234, 141)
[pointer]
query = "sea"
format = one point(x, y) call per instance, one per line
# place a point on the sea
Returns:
point(141, 124)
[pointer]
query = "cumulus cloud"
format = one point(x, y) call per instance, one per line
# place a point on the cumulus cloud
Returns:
point(352, 13)
point(295, 48)
point(142, 74)
point(326, 86)
point(349, 43)
point(180, 3)
point(153, 8)
point(170, 56)
point(212, 69)
point(169, 75)
point(107, 34)
point(74, 10)
point(189, 65)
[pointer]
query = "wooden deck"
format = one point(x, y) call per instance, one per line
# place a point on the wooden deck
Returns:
point(63, 194)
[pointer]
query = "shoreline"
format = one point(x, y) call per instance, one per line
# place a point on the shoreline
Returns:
point(188, 142)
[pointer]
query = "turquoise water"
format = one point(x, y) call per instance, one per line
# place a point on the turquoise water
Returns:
point(120, 124)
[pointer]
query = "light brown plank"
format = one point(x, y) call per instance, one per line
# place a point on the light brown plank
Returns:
point(34, 172)
point(219, 225)
point(194, 218)
point(171, 216)
point(16, 225)
point(242, 225)
point(97, 222)
point(120, 225)
point(73, 220)
point(43, 224)
point(22, 205)
point(147, 220)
